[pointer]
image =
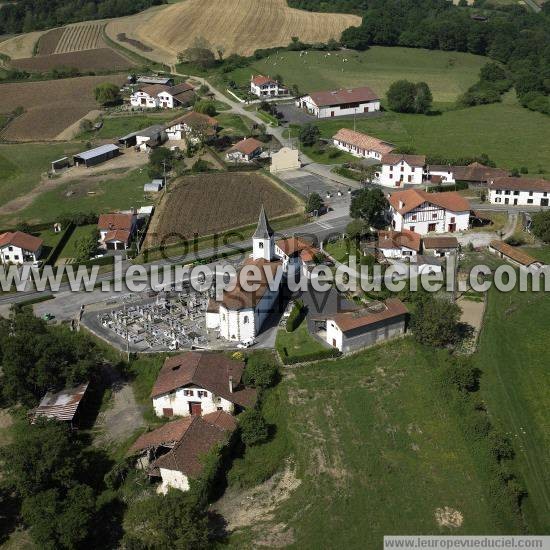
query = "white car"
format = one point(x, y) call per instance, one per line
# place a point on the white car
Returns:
point(246, 344)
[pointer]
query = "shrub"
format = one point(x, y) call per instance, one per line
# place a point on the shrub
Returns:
point(500, 446)
point(260, 373)
point(295, 317)
point(515, 240)
point(253, 427)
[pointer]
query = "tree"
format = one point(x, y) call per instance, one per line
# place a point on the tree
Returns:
point(435, 322)
point(161, 161)
point(369, 205)
point(86, 247)
point(220, 50)
point(356, 229)
point(309, 134)
point(253, 427)
point(107, 93)
point(260, 373)
point(407, 97)
point(314, 203)
point(205, 107)
point(200, 53)
point(541, 225)
point(422, 98)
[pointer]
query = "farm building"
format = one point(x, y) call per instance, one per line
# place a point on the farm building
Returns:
point(196, 383)
point(18, 247)
point(440, 246)
point(423, 212)
point(284, 159)
point(351, 101)
point(153, 186)
point(427, 264)
point(97, 155)
point(162, 80)
point(477, 173)
point(161, 96)
point(349, 331)
point(398, 170)
point(264, 86)
point(185, 460)
point(150, 137)
point(440, 173)
point(193, 126)
point(245, 150)
point(361, 145)
point(514, 255)
point(519, 191)
point(116, 230)
point(60, 164)
point(64, 405)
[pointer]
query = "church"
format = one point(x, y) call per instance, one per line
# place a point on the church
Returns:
point(240, 314)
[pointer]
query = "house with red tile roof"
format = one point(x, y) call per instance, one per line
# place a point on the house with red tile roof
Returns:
point(196, 383)
point(17, 248)
point(519, 191)
point(361, 145)
point(423, 212)
point(116, 230)
point(342, 102)
point(398, 170)
point(245, 150)
point(162, 96)
point(264, 86)
point(398, 244)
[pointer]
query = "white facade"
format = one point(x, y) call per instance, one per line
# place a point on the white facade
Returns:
point(519, 197)
point(397, 175)
point(356, 150)
point(329, 111)
point(267, 88)
point(142, 99)
point(395, 253)
point(430, 218)
point(446, 174)
point(334, 335)
point(180, 402)
point(166, 100)
point(11, 254)
point(172, 479)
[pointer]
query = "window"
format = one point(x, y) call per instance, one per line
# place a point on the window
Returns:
point(202, 393)
point(391, 168)
point(431, 227)
point(10, 248)
point(530, 193)
point(260, 245)
point(453, 220)
point(188, 393)
point(414, 217)
point(529, 201)
point(391, 176)
point(516, 192)
point(402, 169)
point(434, 216)
point(411, 227)
point(506, 192)
point(499, 191)
point(16, 257)
point(245, 319)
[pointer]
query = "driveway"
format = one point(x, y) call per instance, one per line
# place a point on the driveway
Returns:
point(294, 115)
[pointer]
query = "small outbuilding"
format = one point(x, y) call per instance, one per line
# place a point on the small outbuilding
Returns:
point(97, 155)
point(60, 164)
point(514, 255)
point(64, 406)
point(154, 186)
point(284, 159)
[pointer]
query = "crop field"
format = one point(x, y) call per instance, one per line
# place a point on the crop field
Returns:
point(50, 106)
point(101, 59)
point(86, 36)
point(21, 45)
point(447, 73)
point(189, 206)
point(49, 40)
point(240, 26)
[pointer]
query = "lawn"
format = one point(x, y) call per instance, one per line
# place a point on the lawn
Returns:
point(233, 124)
point(542, 253)
point(515, 383)
point(447, 73)
point(378, 451)
point(118, 126)
point(511, 135)
point(22, 164)
point(339, 250)
point(69, 250)
point(298, 343)
point(110, 194)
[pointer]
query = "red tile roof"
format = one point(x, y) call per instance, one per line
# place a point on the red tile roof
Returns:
point(154, 89)
point(119, 235)
point(413, 198)
point(411, 160)
point(440, 242)
point(514, 253)
point(21, 240)
point(399, 239)
point(193, 118)
point(380, 311)
point(260, 80)
point(521, 184)
point(363, 141)
point(292, 245)
point(210, 371)
point(112, 222)
point(199, 439)
point(246, 146)
point(167, 435)
point(477, 172)
point(349, 95)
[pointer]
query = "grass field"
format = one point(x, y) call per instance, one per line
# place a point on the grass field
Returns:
point(21, 165)
point(240, 26)
point(110, 194)
point(447, 73)
point(297, 343)
point(69, 250)
point(515, 383)
point(377, 451)
point(231, 124)
point(511, 135)
point(118, 126)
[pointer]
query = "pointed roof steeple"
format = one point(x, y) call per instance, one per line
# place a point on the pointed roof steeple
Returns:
point(263, 231)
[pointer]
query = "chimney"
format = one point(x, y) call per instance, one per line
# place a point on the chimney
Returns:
point(401, 204)
point(230, 384)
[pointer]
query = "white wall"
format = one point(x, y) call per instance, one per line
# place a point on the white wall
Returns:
point(328, 112)
point(519, 198)
point(446, 175)
point(165, 100)
point(179, 402)
point(238, 325)
point(271, 89)
point(430, 219)
point(137, 98)
point(17, 255)
point(172, 478)
point(356, 151)
point(334, 335)
point(398, 252)
point(399, 174)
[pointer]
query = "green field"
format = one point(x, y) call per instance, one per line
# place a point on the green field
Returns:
point(21, 165)
point(511, 135)
point(233, 124)
point(447, 73)
point(515, 383)
point(69, 250)
point(118, 126)
point(297, 343)
point(110, 194)
point(378, 451)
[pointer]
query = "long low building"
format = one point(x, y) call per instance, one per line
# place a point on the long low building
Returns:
point(519, 191)
point(333, 103)
point(361, 145)
point(97, 155)
point(514, 255)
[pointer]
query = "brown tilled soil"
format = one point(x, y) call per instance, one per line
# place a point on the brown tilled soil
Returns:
point(50, 106)
point(210, 203)
point(48, 42)
point(87, 60)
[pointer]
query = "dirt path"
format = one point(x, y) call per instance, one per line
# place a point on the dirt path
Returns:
point(74, 129)
point(472, 313)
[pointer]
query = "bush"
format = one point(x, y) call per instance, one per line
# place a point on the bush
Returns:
point(252, 427)
point(408, 97)
point(515, 240)
point(260, 373)
point(309, 134)
point(500, 446)
point(205, 107)
point(295, 317)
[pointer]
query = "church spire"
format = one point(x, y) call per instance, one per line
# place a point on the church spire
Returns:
point(263, 231)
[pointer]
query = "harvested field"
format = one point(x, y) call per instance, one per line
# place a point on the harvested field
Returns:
point(102, 59)
point(50, 106)
point(211, 203)
point(85, 36)
point(121, 37)
point(48, 42)
point(240, 26)
point(21, 45)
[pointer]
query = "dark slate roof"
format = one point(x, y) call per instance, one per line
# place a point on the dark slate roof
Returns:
point(263, 231)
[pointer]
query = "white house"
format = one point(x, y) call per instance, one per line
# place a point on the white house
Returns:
point(192, 126)
point(440, 246)
point(182, 459)
point(195, 383)
point(441, 173)
point(150, 137)
point(361, 145)
point(116, 230)
point(423, 212)
point(162, 96)
point(398, 244)
point(296, 254)
point(18, 247)
point(398, 170)
point(351, 101)
point(519, 191)
point(352, 330)
point(245, 150)
point(263, 86)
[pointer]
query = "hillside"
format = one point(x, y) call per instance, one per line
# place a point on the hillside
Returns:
point(240, 26)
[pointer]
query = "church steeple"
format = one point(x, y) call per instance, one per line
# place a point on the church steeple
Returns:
point(263, 246)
